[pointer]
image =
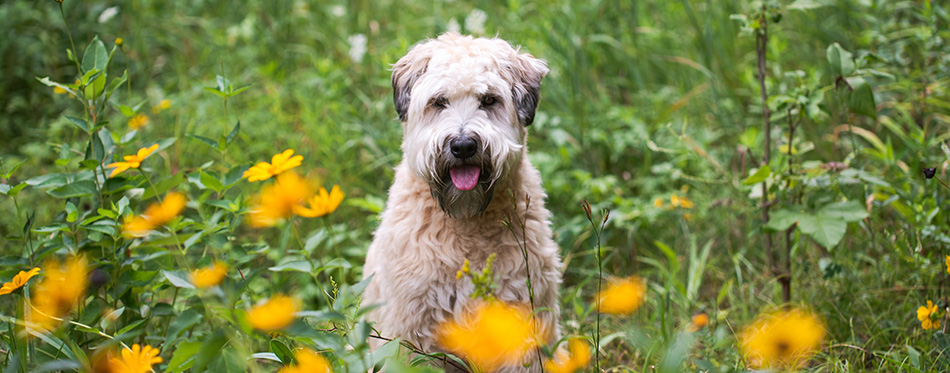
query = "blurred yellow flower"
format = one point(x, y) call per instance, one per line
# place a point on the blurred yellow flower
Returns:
point(162, 106)
point(699, 321)
point(156, 215)
point(622, 296)
point(785, 339)
point(658, 202)
point(18, 281)
point(138, 359)
point(562, 363)
point(681, 202)
point(928, 316)
point(132, 161)
point(688, 216)
point(277, 201)
point(308, 362)
point(57, 294)
point(321, 204)
point(278, 312)
point(493, 335)
point(279, 163)
point(210, 276)
point(948, 264)
point(59, 91)
point(138, 121)
point(118, 41)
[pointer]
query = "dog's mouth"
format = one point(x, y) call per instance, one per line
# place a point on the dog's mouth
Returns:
point(465, 177)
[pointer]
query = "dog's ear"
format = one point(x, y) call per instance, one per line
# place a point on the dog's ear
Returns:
point(526, 90)
point(405, 73)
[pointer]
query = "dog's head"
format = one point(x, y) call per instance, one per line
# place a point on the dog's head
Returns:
point(464, 103)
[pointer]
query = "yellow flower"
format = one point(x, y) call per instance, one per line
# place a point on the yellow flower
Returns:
point(208, 277)
point(132, 161)
point(658, 202)
point(321, 204)
point(162, 106)
point(688, 216)
point(308, 362)
point(928, 316)
point(699, 321)
point(579, 358)
point(118, 41)
point(58, 293)
point(276, 313)
point(156, 215)
point(279, 163)
point(59, 91)
point(784, 339)
point(682, 202)
point(138, 359)
point(622, 296)
point(948, 264)
point(138, 121)
point(18, 281)
point(277, 201)
point(493, 335)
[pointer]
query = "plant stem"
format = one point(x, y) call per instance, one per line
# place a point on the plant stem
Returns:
point(761, 41)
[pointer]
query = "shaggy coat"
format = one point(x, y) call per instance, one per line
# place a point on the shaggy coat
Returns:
point(423, 240)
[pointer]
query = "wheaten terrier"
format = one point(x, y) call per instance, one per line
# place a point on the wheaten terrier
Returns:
point(465, 104)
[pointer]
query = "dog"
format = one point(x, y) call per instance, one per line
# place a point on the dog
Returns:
point(465, 105)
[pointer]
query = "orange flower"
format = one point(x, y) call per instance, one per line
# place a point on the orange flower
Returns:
point(279, 163)
point(562, 363)
point(278, 200)
point(278, 312)
point(59, 292)
point(308, 362)
point(622, 296)
point(699, 321)
point(156, 215)
point(782, 339)
point(18, 281)
point(132, 161)
point(138, 359)
point(493, 335)
point(208, 277)
point(321, 204)
point(138, 121)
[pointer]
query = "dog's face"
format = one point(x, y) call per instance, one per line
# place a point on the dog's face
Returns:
point(464, 103)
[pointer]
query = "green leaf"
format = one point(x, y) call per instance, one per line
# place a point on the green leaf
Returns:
point(49, 83)
point(216, 92)
point(80, 188)
point(239, 90)
point(163, 186)
point(298, 265)
point(12, 191)
point(850, 211)
point(759, 176)
point(183, 357)
point(861, 98)
point(840, 60)
point(13, 169)
point(282, 351)
point(782, 219)
point(209, 142)
point(824, 229)
point(181, 323)
point(210, 181)
point(96, 56)
point(81, 123)
point(116, 83)
point(211, 347)
point(176, 278)
point(234, 133)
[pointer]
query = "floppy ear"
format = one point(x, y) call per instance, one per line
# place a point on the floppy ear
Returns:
point(405, 73)
point(526, 90)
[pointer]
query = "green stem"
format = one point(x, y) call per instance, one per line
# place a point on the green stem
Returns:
point(70, 34)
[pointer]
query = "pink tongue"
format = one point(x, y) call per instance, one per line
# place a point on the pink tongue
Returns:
point(465, 177)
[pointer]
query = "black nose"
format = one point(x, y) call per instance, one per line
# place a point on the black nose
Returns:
point(463, 147)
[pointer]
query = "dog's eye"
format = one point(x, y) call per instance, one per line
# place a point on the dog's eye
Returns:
point(440, 102)
point(488, 100)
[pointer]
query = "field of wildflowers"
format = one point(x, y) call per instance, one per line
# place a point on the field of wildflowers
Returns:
point(735, 186)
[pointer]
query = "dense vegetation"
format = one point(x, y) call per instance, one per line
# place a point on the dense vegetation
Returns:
point(829, 198)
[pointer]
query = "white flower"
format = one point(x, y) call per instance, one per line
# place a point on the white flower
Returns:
point(357, 47)
point(453, 26)
point(475, 22)
point(108, 14)
point(338, 11)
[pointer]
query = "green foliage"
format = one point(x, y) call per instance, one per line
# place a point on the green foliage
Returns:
point(651, 109)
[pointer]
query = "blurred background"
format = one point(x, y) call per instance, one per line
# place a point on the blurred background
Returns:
point(652, 110)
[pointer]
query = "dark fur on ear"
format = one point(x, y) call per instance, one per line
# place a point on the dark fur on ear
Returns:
point(405, 72)
point(526, 90)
